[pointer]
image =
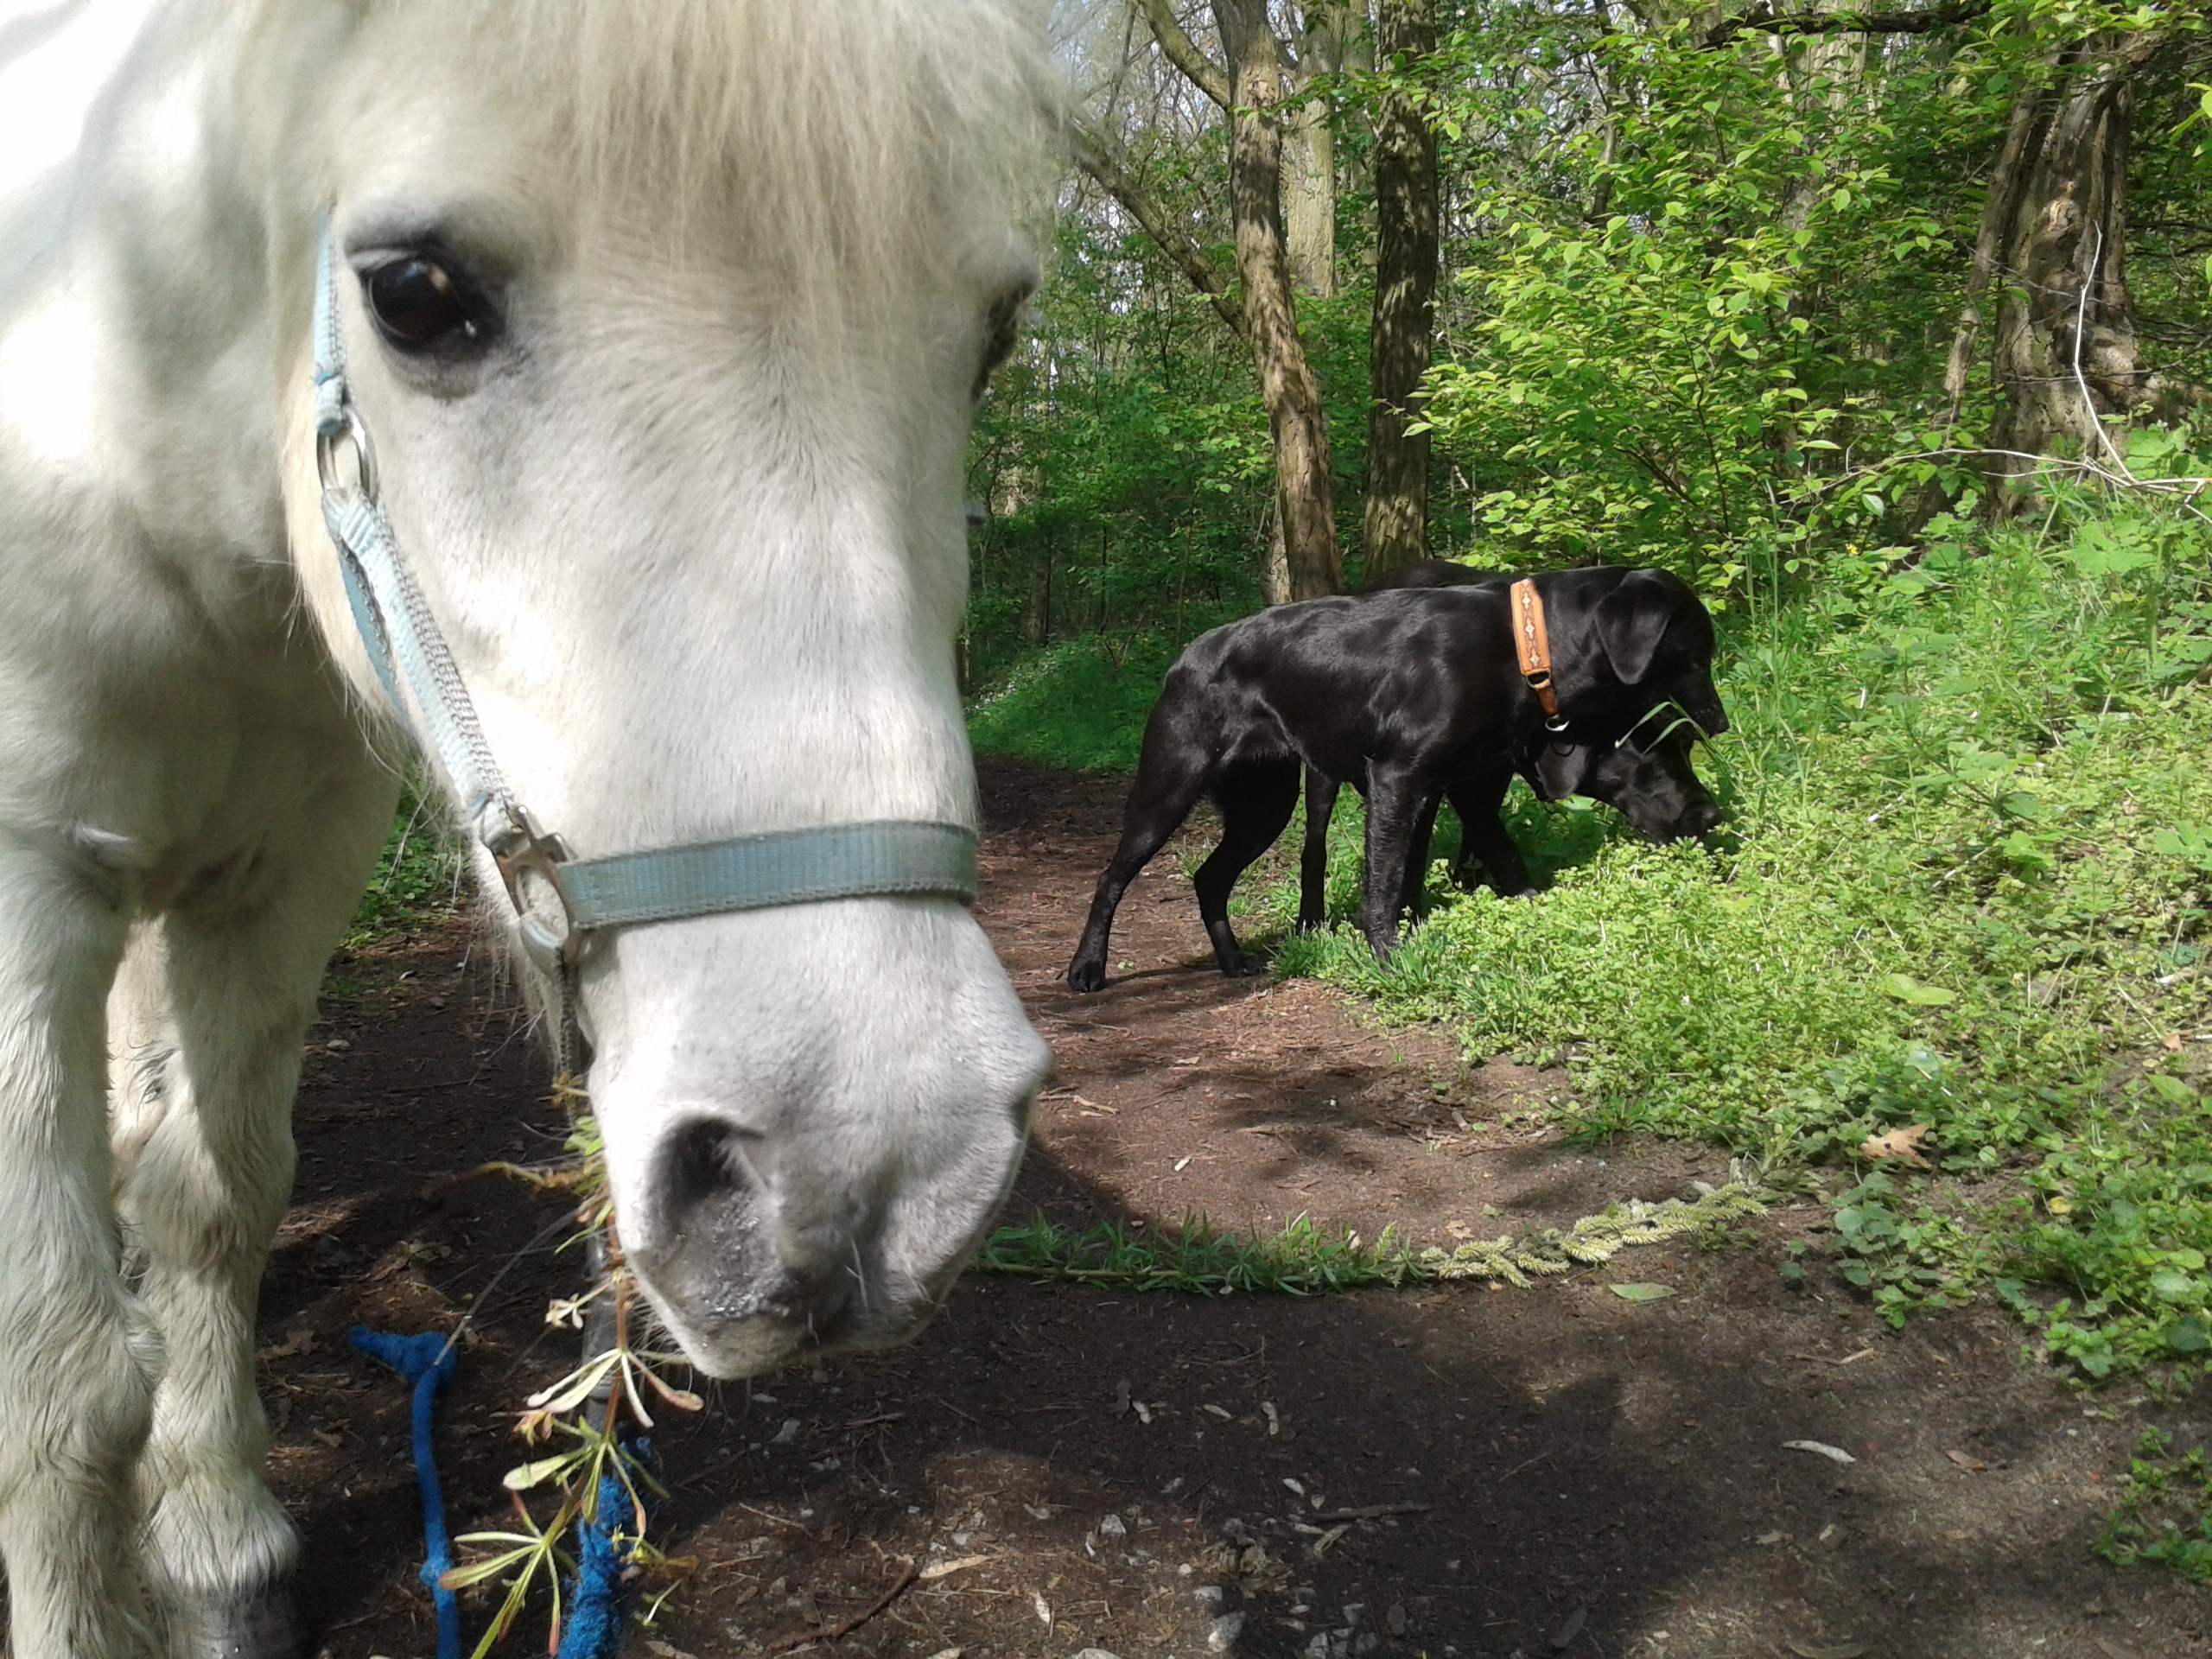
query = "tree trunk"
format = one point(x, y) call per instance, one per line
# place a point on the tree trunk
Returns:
point(1274, 576)
point(1309, 181)
point(1309, 199)
point(1037, 626)
point(2065, 356)
point(1295, 419)
point(1396, 529)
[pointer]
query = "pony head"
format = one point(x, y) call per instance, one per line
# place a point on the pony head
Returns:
point(667, 318)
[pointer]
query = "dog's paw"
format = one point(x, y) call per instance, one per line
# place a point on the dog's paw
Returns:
point(1087, 977)
point(1244, 965)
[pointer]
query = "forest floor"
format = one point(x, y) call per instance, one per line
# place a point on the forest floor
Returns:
point(1553, 1470)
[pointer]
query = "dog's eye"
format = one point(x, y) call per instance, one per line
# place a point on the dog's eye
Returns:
point(420, 305)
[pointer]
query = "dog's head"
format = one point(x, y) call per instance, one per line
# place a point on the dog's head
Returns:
point(1626, 644)
point(1656, 790)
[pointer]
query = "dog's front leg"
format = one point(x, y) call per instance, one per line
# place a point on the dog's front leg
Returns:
point(1313, 862)
point(1483, 834)
point(1395, 803)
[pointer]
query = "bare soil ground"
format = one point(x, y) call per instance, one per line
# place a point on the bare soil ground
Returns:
point(1555, 1470)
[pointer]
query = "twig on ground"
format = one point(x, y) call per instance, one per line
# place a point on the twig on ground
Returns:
point(847, 1626)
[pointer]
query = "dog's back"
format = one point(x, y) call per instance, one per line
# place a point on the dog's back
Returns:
point(1334, 681)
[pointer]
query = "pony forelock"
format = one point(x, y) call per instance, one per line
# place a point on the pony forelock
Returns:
point(840, 131)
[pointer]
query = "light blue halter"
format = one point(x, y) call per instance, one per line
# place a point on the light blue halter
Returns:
point(791, 867)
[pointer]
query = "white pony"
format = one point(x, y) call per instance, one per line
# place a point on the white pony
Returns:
point(667, 317)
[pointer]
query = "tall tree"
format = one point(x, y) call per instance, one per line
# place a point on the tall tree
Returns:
point(2065, 354)
point(1252, 88)
point(1396, 529)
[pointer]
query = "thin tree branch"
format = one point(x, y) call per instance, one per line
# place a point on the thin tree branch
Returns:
point(1182, 51)
point(1763, 19)
point(1095, 157)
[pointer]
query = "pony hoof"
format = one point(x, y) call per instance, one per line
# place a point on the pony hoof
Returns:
point(257, 1626)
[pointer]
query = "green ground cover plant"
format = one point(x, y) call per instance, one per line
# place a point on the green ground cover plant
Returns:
point(2164, 1516)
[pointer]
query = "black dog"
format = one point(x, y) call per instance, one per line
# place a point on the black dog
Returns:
point(1652, 786)
point(1416, 693)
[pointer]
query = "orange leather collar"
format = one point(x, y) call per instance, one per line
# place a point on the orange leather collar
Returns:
point(1534, 647)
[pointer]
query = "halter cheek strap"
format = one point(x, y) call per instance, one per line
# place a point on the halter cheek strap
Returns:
point(418, 674)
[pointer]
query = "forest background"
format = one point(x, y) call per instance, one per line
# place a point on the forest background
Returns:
point(1891, 331)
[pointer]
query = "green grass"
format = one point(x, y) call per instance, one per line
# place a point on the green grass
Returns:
point(1965, 885)
point(1304, 1259)
point(1080, 704)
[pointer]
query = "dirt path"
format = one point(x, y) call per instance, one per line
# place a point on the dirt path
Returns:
point(1548, 1470)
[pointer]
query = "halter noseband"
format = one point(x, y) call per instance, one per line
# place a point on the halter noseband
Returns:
point(789, 867)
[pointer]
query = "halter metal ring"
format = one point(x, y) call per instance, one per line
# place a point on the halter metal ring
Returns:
point(365, 453)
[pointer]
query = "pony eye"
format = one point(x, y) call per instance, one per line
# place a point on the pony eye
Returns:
point(1000, 327)
point(420, 307)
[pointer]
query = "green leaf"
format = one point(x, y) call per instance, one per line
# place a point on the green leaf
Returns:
point(1905, 988)
point(523, 1477)
point(1641, 1293)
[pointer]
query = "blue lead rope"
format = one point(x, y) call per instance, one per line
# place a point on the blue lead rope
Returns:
point(599, 1596)
point(426, 1362)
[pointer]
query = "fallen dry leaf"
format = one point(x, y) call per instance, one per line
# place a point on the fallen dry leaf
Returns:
point(1897, 1143)
point(1966, 1462)
point(298, 1340)
point(2170, 1042)
point(1836, 1454)
point(941, 1569)
point(1572, 1628)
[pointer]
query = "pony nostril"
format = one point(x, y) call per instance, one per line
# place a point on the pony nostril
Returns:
point(716, 1252)
point(705, 1161)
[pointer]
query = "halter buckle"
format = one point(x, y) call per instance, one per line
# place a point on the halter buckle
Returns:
point(527, 856)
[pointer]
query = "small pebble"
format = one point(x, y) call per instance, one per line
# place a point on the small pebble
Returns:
point(1224, 1633)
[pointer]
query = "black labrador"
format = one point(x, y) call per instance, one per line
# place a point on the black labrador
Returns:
point(1652, 786)
point(1415, 693)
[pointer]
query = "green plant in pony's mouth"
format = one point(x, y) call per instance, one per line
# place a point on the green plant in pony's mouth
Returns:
point(594, 1458)
point(2163, 1518)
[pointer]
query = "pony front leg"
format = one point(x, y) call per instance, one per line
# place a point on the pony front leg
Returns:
point(208, 1020)
point(77, 1359)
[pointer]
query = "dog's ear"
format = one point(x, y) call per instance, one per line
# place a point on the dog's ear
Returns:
point(1631, 621)
point(1560, 769)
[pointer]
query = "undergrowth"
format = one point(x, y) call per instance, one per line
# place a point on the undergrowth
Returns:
point(422, 876)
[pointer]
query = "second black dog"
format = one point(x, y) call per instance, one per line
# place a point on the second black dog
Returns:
point(1416, 694)
point(1654, 786)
